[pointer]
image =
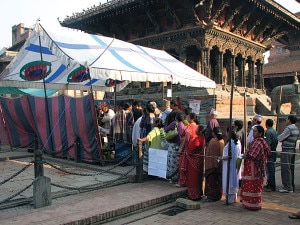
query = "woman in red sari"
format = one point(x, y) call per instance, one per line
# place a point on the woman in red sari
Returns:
point(195, 163)
point(254, 170)
point(188, 134)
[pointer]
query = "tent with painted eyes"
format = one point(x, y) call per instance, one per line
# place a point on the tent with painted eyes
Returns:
point(64, 58)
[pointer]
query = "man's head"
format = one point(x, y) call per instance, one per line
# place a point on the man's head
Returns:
point(269, 123)
point(103, 107)
point(213, 113)
point(292, 119)
point(257, 119)
point(127, 106)
point(137, 105)
point(165, 104)
point(173, 104)
point(154, 104)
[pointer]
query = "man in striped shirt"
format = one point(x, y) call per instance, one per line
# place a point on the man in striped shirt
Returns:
point(289, 139)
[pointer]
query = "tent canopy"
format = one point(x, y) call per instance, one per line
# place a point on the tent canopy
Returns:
point(71, 59)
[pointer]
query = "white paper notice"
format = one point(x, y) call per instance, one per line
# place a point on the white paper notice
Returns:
point(195, 105)
point(157, 165)
point(169, 93)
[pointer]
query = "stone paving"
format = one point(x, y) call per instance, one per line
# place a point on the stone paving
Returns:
point(109, 205)
point(17, 161)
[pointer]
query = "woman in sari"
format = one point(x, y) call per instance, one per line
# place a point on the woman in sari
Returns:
point(213, 166)
point(173, 147)
point(188, 135)
point(254, 170)
point(146, 125)
point(195, 163)
point(234, 173)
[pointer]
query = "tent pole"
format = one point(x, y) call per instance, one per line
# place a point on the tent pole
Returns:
point(245, 115)
point(163, 90)
point(89, 75)
point(171, 90)
point(45, 94)
point(229, 157)
point(245, 122)
point(115, 96)
point(278, 108)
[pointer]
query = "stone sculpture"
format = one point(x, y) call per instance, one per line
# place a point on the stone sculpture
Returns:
point(285, 94)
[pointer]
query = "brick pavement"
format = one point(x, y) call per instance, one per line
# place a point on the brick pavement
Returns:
point(132, 198)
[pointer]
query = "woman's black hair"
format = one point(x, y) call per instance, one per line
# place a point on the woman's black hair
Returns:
point(260, 129)
point(150, 108)
point(188, 110)
point(239, 124)
point(194, 117)
point(158, 122)
point(179, 116)
point(218, 132)
point(234, 136)
point(126, 105)
point(200, 130)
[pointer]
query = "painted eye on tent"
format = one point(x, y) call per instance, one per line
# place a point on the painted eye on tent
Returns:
point(80, 74)
point(36, 70)
point(111, 82)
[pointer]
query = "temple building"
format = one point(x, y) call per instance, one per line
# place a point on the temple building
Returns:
point(19, 35)
point(284, 61)
point(219, 38)
point(223, 39)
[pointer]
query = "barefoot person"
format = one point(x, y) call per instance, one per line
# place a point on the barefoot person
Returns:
point(254, 170)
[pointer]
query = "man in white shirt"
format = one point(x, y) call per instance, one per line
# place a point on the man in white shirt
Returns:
point(255, 121)
point(105, 117)
point(166, 111)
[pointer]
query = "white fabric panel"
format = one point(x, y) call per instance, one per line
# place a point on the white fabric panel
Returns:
point(105, 57)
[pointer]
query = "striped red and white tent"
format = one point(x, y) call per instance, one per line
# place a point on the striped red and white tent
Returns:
point(56, 128)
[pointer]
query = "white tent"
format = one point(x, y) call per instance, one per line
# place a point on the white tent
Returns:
point(72, 59)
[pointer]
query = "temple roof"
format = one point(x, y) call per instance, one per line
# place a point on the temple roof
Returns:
point(262, 21)
point(286, 65)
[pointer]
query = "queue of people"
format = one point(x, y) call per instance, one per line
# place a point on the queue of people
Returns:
point(200, 153)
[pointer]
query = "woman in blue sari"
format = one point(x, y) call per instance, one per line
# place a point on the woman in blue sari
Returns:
point(146, 125)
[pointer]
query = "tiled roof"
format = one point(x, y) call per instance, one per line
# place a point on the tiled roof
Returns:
point(287, 65)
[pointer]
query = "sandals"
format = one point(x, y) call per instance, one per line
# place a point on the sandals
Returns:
point(208, 200)
point(294, 216)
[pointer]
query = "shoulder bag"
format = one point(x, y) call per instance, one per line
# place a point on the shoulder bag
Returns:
point(171, 134)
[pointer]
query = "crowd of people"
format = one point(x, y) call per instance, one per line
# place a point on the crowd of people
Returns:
point(198, 153)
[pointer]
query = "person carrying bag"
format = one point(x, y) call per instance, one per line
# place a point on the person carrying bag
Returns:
point(172, 134)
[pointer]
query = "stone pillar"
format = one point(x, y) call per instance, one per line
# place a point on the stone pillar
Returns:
point(251, 77)
point(182, 57)
point(219, 72)
point(260, 80)
point(42, 192)
point(199, 65)
point(231, 70)
point(206, 63)
point(241, 72)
